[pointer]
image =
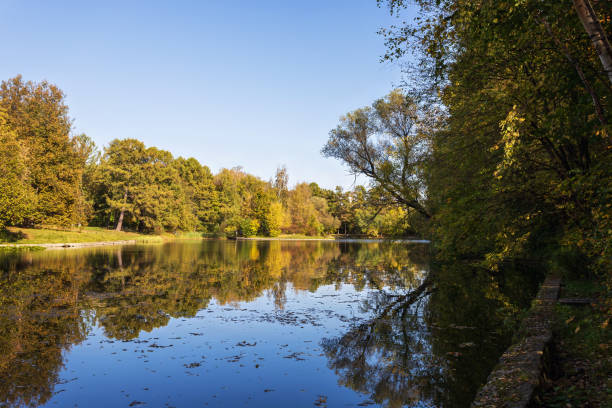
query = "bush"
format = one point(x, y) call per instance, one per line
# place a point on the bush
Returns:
point(249, 227)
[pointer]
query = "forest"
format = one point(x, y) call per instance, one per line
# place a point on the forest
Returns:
point(52, 177)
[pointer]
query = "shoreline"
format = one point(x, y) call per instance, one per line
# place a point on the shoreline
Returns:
point(414, 241)
point(62, 245)
point(71, 244)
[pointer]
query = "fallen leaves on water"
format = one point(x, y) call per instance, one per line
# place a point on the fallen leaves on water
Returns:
point(321, 400)
point(244, 343)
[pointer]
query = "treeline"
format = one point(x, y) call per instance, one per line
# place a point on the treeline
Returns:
point(148, 190)
point(49, 176)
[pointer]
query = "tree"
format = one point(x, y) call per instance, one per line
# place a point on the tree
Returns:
point(38, 116)
point(249, 227)
point(160, 203)
point(120, 173)
point(143, 186)
point(522, 162)
point(197, 183)
point(244, 199)
point(309, 214)
point(329, 223)
point(17, 198)
point(275, 219)
point(387, 143)
point(302, 212)
point(281, 184)
point(596, 33)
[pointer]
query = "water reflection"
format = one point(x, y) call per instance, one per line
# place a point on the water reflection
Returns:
point(411, 343)
point(434, 344)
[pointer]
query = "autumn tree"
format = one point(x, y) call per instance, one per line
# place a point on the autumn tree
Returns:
point(309, 214)
point(17, 198)
point(521, 164)
point(388, 143)
point(38, 116)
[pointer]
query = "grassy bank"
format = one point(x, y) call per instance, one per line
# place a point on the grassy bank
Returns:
point(60, 236)
point(52, 235)
point(582, 360)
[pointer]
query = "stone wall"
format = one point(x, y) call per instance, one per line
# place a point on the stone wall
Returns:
point(515, 378)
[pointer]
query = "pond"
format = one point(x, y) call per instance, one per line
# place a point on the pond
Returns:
point(250, 323)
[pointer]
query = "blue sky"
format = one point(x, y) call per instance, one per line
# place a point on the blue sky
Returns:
point(251, 83)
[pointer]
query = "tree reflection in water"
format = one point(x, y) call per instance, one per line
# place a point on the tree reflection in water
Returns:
point(433, 345)
point(39, 318)
point(50, 300)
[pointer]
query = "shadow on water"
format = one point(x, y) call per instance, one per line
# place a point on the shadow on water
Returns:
point(433, 345)
point(427, 339)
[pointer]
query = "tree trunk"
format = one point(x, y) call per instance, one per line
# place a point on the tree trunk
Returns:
point(596, 34)
point(587, 85)
point(120, 222)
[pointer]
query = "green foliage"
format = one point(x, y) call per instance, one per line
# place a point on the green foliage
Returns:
point(521, 166)
point(51, 178)
point(242, 196)
point(145, 185)
point(249, 227)
point(197, 183)
point(392, 221)
point(388, 143)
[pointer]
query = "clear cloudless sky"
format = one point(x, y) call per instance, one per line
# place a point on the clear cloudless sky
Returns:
point(244, 83)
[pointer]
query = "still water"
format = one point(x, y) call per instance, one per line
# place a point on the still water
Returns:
point(248, 323)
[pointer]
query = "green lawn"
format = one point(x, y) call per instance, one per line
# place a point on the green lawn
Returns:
point(93, 234)
point(58, 236)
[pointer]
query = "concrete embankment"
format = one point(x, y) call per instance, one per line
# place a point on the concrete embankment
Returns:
point(514, 380)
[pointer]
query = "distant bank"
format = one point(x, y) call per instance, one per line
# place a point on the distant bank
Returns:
point(92, 236)
point(87, 236)
point(336, 238)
